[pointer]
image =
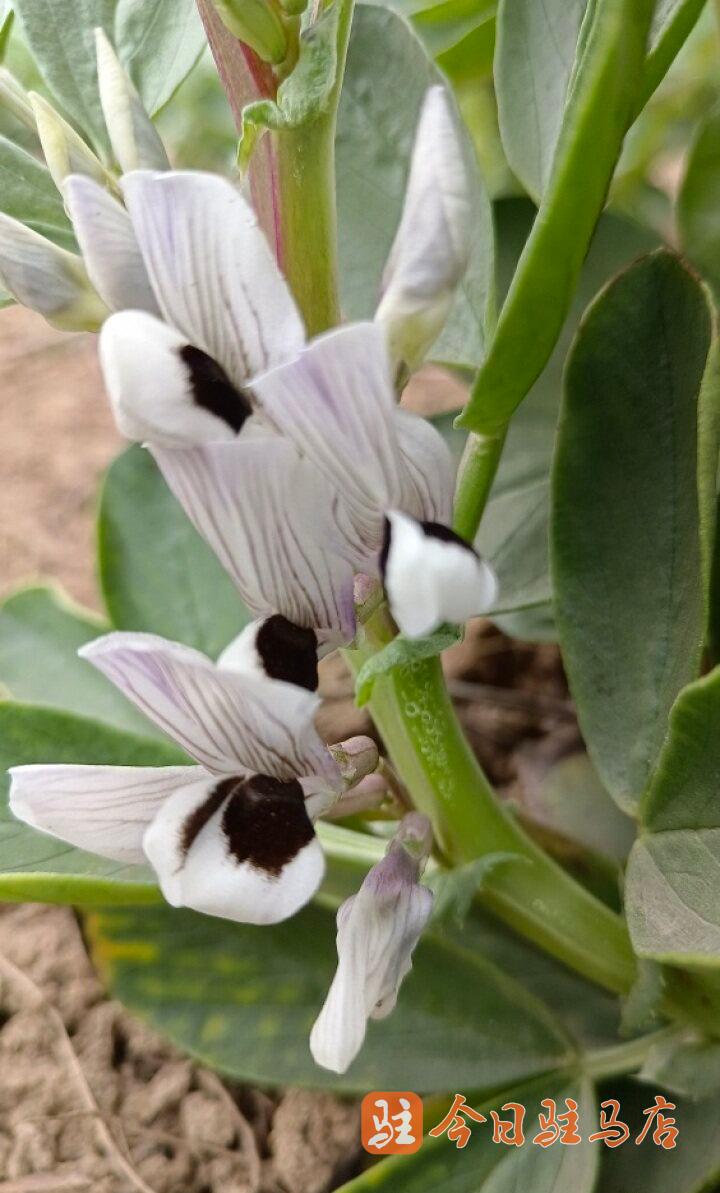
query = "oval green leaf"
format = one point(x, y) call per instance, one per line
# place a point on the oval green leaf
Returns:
point(626, 534)
point(243, 999)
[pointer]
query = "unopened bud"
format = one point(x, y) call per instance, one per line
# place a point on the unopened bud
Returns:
point(14, 98)
point(257, 24)
point(65, 151)
point(48, 279)
point(356, 758)
point(135, 141)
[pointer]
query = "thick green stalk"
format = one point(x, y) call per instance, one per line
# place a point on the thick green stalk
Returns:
point(414, 714)
point(308, 215)
point(475, 477)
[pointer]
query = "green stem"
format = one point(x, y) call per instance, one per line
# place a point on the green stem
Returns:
point(308, 215)
point(623, 1058)
point(476, 475)
point(414, 714)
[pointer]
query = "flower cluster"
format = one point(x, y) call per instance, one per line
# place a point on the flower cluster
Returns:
point(297, 465)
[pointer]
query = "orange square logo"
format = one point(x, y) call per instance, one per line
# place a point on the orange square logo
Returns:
point(392, 1123)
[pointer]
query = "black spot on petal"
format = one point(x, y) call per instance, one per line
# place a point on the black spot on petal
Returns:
point(437, 530)
point(213, 390)
point(265, 822)
point(288, 652)
point(385, 549)
point(196, 821)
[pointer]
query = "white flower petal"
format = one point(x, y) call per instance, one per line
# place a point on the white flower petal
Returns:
point(163, 389)
point(429, 470)
point(213, 273)
point(225, 720)
point(109, 248)
point(104, 809)
point(432, 245)
point(48, 279)
point(269, 517)
point(242, 848)
point(432, 576)
point(378, 930)
point(336, 402)
point(134, 139)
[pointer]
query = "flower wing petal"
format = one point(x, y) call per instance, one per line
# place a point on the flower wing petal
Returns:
point(269, 517)
point(336, 402)
point(110, 251)
point(104, 809)
point(213, 273)
point(163, 389)
point(432, 576)
point(242, 848)
point(226, 720)
point(428, 469)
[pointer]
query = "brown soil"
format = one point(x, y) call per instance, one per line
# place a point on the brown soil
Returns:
point(89, 1098)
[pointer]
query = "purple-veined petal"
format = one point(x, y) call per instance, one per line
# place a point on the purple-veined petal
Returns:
point(163, 389)
point(336, 402)
point(432, 576)
point(103, 809)
point(134, 139)
point(243, 848)
point(432, 245)
point(269, 516)
point(378, 930)
point(108, 245)
point(225, 720)
point(429, 471)
point(212, 271)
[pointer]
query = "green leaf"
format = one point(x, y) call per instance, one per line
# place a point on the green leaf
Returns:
point(158, 41)
point(459, 34)
point(684, 1064)
point(642, 1009)
point(599, 109)
point(156, 573)
point(570, 799)
point(514, 531)
point(487, 1167)
point(537, 55)
point(39, 868)
point(401, 652)
point(455, 889)
point(304, 94)
point(698, 207)
point(673, 879)
point(41, 632)
point(626, 528)
point(691, 1167)
point(28, 193)
point(386, 77)
point(243, 999)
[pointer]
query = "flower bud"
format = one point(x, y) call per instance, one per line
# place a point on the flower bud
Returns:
point(14, 98)
point(432, 245)
point(257, 24)
point(377, 932)
point(356, 757)
point(65, 151)
point(135, 141)
point(48, 279)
